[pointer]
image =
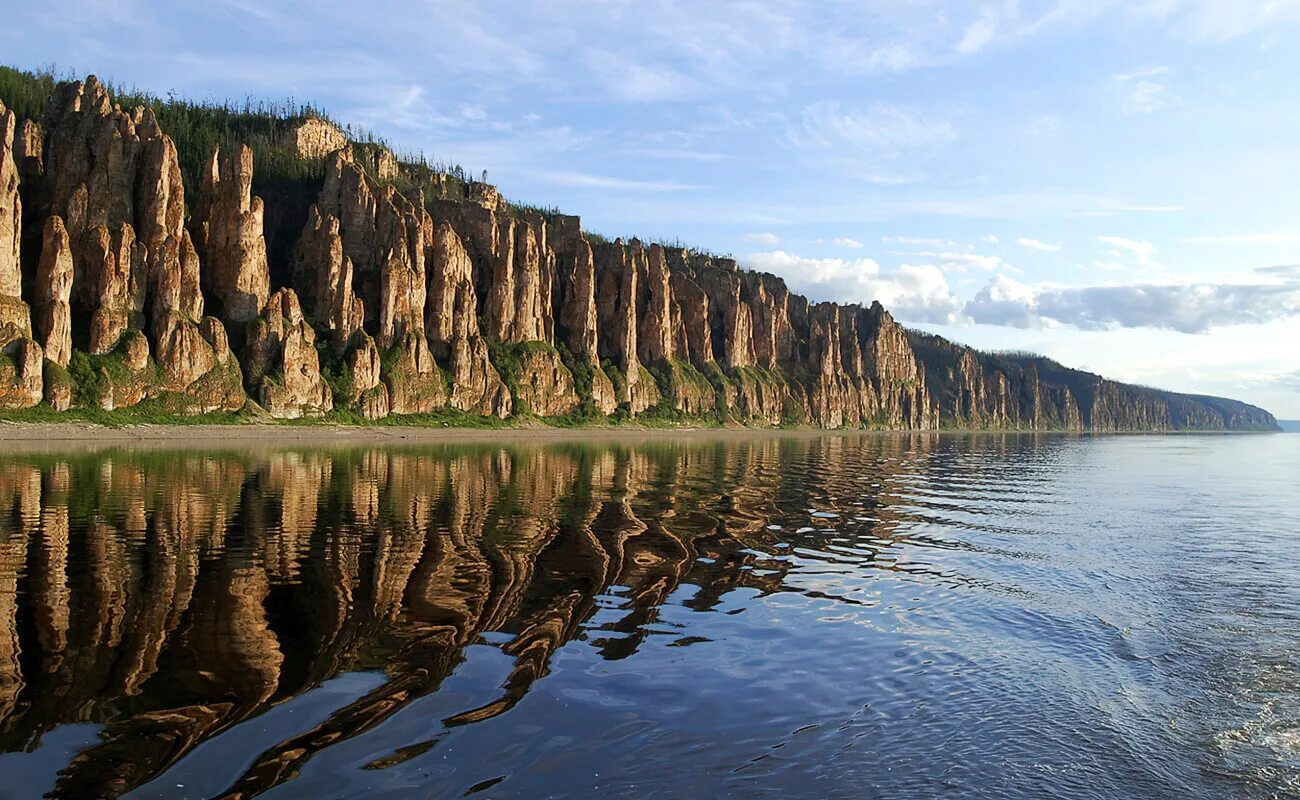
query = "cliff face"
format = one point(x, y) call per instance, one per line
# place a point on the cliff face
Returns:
point(1026, 392)
point(351, 290)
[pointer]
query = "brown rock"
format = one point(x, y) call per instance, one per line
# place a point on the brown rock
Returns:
point(576, 321)
point(694, 309)
point(368, 392)
point(227, 232)
point(11, 211)
point(544, 385)
point(316, 138)
point(58, 390)
point(136, 381)
point(415, 383)
point(617, 302)
point(280, 362)
point(54, 292)
point(323, 276)
point(21, 369)
point(895, 375)
point(451, 321)
point(107, 283)
point(656, 334)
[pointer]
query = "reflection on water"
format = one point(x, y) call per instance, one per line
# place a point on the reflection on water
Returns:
point(855, 616)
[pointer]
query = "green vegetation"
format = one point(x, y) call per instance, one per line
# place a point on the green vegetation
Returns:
point(508, 358)
point(160, 410)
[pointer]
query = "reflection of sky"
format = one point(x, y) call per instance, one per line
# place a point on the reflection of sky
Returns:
point(1126, 168)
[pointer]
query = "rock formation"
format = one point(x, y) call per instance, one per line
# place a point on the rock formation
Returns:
point(323, 278)
point(282, 369)
point(54, 293)
point(228, 235)
point(430, 291)
point(451, 322)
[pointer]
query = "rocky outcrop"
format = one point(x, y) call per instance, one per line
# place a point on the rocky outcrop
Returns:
point(282, 369)
point(543, 385)
point(322, 275)
point(577, 318)
point(13, 311)
point(133, 375)
point(113, 178)
point(431, 291)
point(414, 380)
point(227, 230)
point(369, 394)
point(317, 138)
point(616, 299)
point(451, 324)
point(54, 293)
point(21, 369)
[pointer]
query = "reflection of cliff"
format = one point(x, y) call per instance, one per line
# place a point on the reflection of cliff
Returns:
point(170, 598)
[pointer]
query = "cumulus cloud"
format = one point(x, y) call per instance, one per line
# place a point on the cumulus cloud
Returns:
point(764, 238)
point(1034, 244)
point(1189, 308)
point(844, 241)
point(921, 293)
point(913, 293)
point(1143, 251)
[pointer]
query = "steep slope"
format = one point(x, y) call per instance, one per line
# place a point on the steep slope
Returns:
point(351, 282)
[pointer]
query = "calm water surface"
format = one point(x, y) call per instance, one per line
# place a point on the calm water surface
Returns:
point(848, 616)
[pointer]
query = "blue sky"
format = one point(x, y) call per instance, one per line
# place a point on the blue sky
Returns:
point(1113, 184)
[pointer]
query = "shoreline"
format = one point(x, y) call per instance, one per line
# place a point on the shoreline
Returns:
point(35, 437)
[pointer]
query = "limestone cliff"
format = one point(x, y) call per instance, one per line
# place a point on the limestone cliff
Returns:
point(355, 282)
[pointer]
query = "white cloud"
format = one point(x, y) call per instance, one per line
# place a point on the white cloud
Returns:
point(1109, 266)
point(768, 239)
point(831, 124)
point(1139, 94)
point(962, 262)
point(1188, 307)
point(1142, 250)
point(990, 239)
point(1245, 238)
point(564, 178)
point(844, 241)
point(979, 34)
point(1147, 97)
point(918, 241)
point(916, 294)
point(1148, 72)
point(1034, 244)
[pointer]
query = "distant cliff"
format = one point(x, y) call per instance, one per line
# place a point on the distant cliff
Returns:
point(1022, 391)
point(199, 258)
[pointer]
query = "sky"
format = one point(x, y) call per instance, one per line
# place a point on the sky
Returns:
point(1112, 183)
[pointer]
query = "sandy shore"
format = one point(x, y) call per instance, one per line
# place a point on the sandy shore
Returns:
point(16, 437)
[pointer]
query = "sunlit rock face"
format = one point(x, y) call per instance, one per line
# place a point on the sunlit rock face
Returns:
point(417, 292)
point(283, 369)
point(228, 235)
